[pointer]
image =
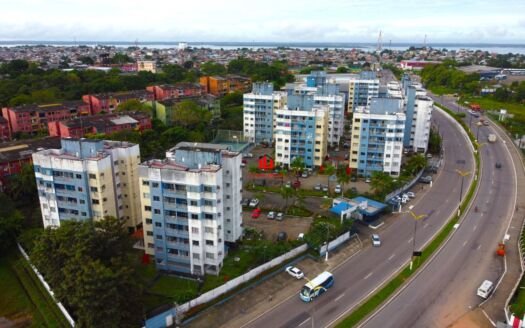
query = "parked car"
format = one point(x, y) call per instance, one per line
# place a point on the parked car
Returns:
point(325, 188)
point(248, 155)
point(304, 174)
point(243, 164)
point(376, 241)
point(410, 194)
point(296, 184)
point(396, 199)
point(346, 156)
point(486, 123)
point(353, 178)
point(271, 215)
point(256, 213)
point(295, 272)
point(337, 189)
point(318, 187)
point(426, 179)
point(279, 216)
point(498, 165)
point(367, 180)
point(254, 202)
point(282, 236)
point(288, 184)
point(405, 199)
point(354, 190)
point(245, 202)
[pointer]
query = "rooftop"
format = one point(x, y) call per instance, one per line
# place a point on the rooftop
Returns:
point(16, 150)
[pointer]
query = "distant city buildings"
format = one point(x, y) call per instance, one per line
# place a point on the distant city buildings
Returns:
point(191, 207)
point(88, 179)
point(108, 102)
point(147, 66)
point(362, 90)
point(177, 90)
point(222, 85)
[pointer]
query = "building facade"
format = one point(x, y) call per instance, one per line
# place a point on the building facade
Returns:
point(88, 179)
point(377, 138)
point(5, 132)
point(108, 102)
point(418, 110)
point(362, 90)
point(191, 207)
point(177, 90)
point(259, 107)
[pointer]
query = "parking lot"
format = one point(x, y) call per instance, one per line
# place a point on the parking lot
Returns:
point(293, 226)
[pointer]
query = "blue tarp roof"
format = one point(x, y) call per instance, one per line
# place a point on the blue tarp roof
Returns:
point(372, 209)
point(341, 207)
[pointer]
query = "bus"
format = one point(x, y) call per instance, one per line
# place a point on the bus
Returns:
point(316, 286)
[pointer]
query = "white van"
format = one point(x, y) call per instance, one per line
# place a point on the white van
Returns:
point(485, 289)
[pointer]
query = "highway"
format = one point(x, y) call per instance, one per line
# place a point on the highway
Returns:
point(468, 258)
point(362, 274)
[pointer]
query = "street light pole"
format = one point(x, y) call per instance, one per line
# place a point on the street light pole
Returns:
point(463, 174)
point(416, 218)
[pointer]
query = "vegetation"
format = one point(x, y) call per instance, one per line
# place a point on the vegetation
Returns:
point(90, 271)
point(10, 223)
point(398, 72)
point(324, 228)
point(445, 78)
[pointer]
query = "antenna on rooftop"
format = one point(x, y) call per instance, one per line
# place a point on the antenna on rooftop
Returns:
point(379, 41)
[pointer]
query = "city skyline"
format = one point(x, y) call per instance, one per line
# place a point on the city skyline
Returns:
point(269, 21)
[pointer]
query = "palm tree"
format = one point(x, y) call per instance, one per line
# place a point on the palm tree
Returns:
point(297, 165)
point(381, 182)
point(286, 193)
point(329, 170)
point(416, 163)
point(342, 178)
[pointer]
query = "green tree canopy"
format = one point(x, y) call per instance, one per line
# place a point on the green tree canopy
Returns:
point(133, 105)
point(88, 266)
point(10, 222)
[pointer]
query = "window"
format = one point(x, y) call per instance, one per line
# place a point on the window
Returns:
point(195, 243)
point(147, 208)
point(158, 224)
point(93, 189)
point(195, 216)
point(208, 189)
point(156, 211)
point(79, 176)
point(145, 195)
point(149, 221)
point(82, 201)
point(208, 229)
point(156, 198)
point(145, 182)
point(95, 201)
point(208, 202)
point(92, 176)
point(196, 256)
point(209, 242)
point(158, 237)
point(210, 255)
point(194, 230)
point(193, 203)
point(149, 233)
point(155, 185)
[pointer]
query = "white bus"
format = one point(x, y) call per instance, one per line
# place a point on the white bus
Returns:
point(316, 286)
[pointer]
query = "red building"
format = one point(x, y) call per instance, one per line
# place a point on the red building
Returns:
point(106, 124)
point(178, 90)
point(33, 118)
point(266, 162)
point(14, 155)
point(5, 132)
point(108, 102)
point(416, 64)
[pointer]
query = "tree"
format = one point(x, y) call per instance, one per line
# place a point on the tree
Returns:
point(329, 170)
point(286, 193)
point(381, 183)
point(342, 69)
point(211, 68)
point(297, 165)
point(188, 114)
point(133, 105)
point(22, 186)
point(10, 222)
point(87, 265)
point(342, 177)
point(415, 163)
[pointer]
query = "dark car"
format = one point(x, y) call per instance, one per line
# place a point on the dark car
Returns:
point(282, 236)
point(426, 179)
point(498, 165)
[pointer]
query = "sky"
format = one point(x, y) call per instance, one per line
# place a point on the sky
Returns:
point(461, 21)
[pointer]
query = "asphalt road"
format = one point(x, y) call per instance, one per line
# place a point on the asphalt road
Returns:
point(446, 289)
point(364, 272)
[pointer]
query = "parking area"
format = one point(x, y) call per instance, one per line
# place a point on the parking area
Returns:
point(293, 226)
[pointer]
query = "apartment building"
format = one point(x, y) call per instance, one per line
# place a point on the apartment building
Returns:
point(222, 85)
point(177, 90)
point(34, 118)
point(377, 137)
point(108, 102)
point(258, 112)
point(191, 206)
point(88, 179)
point(362, 90)
point(146, 66)
point(5, 132)
point(105, 124)
point(301, 131)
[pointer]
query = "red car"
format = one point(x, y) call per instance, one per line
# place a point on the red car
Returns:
point(256, 213)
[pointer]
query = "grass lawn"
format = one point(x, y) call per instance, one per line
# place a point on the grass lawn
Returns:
point(177, 289)
point(298, 211)
point(23, 299)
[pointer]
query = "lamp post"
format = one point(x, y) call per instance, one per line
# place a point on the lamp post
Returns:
point(463, 174)
point(416, 218)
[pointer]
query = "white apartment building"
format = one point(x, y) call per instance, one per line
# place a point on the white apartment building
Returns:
point(191, 206)
point(88, 179)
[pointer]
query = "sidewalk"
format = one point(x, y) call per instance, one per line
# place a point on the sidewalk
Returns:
point(254, 301)
point(494, 306)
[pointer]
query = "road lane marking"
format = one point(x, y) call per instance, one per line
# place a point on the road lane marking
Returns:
point(425, 225)
point(302, 323)
point(479, 247)
point(475, 227)
point(410, 240)
point(368, 275)
point(339, 297)
point(391, 256)
point(464, 243)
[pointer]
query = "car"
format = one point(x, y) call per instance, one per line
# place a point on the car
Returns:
point(288, 184)
point(295, 272)
point(254, 202)
point(256, 213)
point(325, 188)
point(410, 194)
point(367, 180)
point(429, 155)
point(473, 113)
point(318, 187)
point(486, 123)
point(244, 161)
point(426, 179)
point(337, 189)
point(279, 216)
point(353, 178)
point(245, 202)
point(296, 184)
point(271, 215)
point(304, 174)
point(498, 165)
point(405, 199)
point(243, 164)
point(396, 199)
point(346, 145)
point(376, 241)
point(354, 190)
point(282, 236)
point(248, 155)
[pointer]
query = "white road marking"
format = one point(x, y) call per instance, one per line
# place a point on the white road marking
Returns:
point(368, 275)
point(475, 227)
point(391, 256)
point(464, 243)
point(302, 323)
point(410, 240)
point(479, 247)
point(339, 297)
point(425, 225)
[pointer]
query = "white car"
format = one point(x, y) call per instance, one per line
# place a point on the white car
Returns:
point(410, 194)
point(337, 189)
point(279, 216)
point(376, 241)
point(295, 272)
point(367, 180)
point(405, 199)
point(271, 215)
point(254, 202)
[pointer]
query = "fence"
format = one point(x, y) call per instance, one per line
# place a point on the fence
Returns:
point(405, 187)
point(230, 285)
point(335, 243)
point(46, 286)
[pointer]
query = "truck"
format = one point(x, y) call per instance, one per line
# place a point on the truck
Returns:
point(492, 137)
point(475, 107)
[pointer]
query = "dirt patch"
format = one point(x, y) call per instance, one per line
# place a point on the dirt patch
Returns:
point(293, 226)
point(472, 319)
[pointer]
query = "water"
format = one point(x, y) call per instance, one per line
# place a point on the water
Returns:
point(495, 48)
